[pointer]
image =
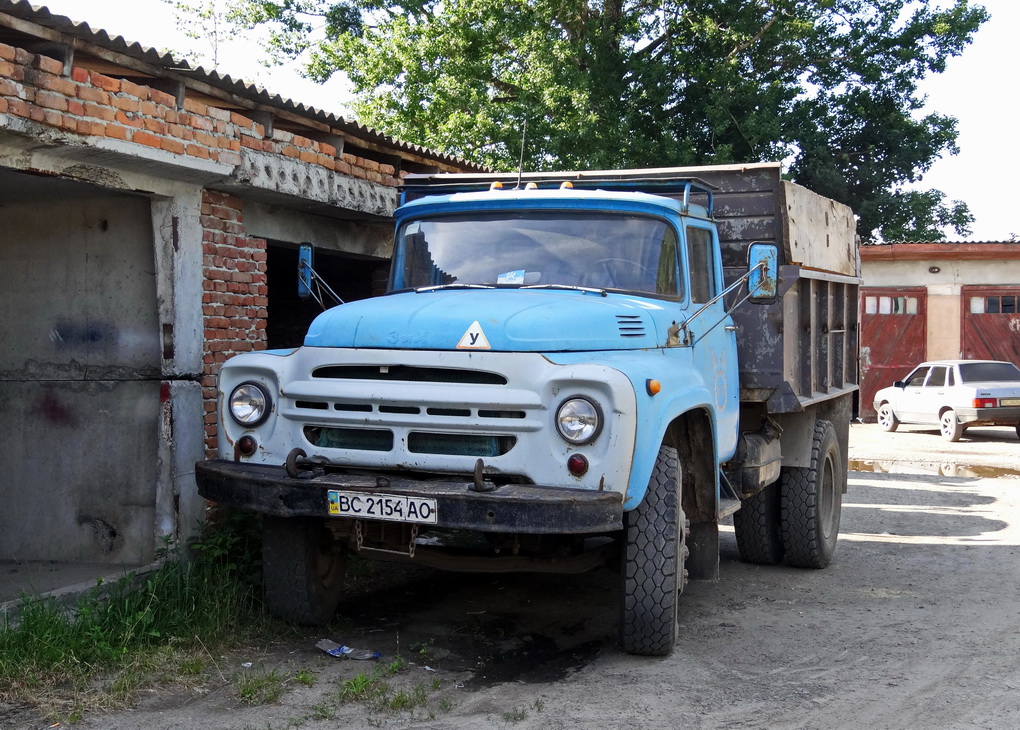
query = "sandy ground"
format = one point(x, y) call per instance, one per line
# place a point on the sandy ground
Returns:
point(913, 625)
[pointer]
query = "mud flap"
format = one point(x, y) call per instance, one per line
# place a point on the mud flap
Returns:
point(703, 541)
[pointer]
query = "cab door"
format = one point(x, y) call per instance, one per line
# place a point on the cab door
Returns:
point(714, 336)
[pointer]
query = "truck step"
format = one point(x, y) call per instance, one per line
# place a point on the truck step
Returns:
point(728, 507)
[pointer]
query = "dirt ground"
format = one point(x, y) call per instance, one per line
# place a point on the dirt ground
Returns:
point(913, 625)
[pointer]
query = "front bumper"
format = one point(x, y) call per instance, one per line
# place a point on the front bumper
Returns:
point(507, 509)
point(1008, 416)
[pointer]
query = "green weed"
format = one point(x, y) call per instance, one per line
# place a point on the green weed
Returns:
point(515, 715)
point(260, 687)
point(305, 677)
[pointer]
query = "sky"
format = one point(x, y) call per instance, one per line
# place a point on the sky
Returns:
point(979, 88)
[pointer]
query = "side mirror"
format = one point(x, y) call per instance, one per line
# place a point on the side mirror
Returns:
point(763, 273)
point(304, 271)
point(899, 384)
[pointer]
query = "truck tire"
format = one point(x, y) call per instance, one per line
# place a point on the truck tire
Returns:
point(756, 524)
point(654, 550)
point(950, 426)
point(887, 420)
point(810, 502)
point(302, 569)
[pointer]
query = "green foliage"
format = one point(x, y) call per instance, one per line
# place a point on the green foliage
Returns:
point(829, 86)
point(212, 595)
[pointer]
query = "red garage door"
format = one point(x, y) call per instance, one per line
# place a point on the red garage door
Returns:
point(893, 337)
point(991, 323)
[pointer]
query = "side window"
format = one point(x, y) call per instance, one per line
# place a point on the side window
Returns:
point(950, 377)
point(701, 260)
point(916, 379)
point(938, 377)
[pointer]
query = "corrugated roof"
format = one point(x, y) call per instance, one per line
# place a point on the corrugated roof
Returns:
point(938, 243)
point(41, 15)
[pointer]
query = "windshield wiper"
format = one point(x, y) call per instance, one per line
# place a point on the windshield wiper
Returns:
point(567, 287)
point(437, 287)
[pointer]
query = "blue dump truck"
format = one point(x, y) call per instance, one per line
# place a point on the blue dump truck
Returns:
point(568, 370)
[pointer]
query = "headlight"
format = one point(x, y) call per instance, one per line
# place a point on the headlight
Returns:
point(249, 404)
point(579, 420)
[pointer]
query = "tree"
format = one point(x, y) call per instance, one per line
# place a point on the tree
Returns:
point(828, 86)
point(206, 22)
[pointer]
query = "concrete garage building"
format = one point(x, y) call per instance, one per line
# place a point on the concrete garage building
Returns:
point(927, 301)
point(149, 221)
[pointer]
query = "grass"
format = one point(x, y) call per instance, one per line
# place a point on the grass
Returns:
point(137, 628)
point(260, 687)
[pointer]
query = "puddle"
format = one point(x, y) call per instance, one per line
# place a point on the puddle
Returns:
point(537, 660)
point(947, 469)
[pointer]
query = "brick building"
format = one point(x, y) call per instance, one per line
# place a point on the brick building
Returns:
point(931, 301)
point(149, 221)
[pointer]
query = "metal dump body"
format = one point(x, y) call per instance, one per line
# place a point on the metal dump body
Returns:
point(800, 350)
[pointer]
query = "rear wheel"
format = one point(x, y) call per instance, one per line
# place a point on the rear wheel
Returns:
point(654, 550)
point(756, 524)
point(811, 501)
point(302, 568)
point(886, 418)
point(950, 426)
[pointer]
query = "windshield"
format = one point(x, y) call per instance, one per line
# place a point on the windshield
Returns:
point(597, 250)
point(985, 372)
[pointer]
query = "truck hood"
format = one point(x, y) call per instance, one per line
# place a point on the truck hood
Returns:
point(508, 320)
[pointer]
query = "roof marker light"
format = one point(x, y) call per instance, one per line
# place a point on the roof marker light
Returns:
point(566, 185)
point(531, 186)
point(497, 185)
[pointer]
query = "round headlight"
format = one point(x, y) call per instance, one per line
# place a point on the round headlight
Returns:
point(578, 420)
point(249, 404)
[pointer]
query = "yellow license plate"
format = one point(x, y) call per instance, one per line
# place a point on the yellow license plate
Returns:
point(1009, 401)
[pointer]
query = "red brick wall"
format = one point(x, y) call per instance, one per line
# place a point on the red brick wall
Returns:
point(93, 105)
point(234, 297)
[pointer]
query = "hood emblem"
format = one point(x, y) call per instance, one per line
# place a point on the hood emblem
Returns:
point(474, 339)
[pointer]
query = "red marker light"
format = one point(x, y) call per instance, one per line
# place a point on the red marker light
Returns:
point(247, 445)
point(577, 465)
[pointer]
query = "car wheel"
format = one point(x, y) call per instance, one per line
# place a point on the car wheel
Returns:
point(757, 527)
point(887, 419)
point(811, 500)
point(302, 568)
point(1018, 430)
point(654, 550)
point(950, 426)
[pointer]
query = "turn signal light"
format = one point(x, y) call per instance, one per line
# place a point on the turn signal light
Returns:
point(986, 403)
point(497, 185)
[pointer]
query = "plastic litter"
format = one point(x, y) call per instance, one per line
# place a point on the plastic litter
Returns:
point(346, 652)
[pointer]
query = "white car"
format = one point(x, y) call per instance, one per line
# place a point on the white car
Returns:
point(955, 395)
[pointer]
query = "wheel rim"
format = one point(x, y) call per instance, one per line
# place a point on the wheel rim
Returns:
point(948, 423)
point(827, 497)
point(884, 416)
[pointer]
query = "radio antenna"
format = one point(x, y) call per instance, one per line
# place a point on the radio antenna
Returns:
point(520, 168)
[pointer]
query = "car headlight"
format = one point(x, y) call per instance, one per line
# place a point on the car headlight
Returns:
point(250, 404)
point(578, 420)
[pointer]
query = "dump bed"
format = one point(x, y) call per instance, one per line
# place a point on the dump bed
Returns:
point(798, 351)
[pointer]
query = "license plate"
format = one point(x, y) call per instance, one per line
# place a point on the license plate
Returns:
point(382, 507)
point(1009, 401)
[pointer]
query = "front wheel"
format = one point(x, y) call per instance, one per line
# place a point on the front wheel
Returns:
point(887, 420)
point(654, 550)
point(302, 568)
point(950, 426)
point(811, 502)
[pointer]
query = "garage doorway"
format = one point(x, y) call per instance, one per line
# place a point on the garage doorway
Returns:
point(79, 374)
point(893, 338)
point(991, 323)
point(289, 316)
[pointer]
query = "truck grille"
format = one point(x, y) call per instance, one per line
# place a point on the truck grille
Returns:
point(418, 442)
point(408, 374)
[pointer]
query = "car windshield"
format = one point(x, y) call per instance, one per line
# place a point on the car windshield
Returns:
point(577, 249)
point(989, 372)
